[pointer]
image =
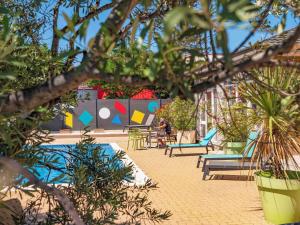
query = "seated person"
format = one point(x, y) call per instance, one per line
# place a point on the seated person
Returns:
point(164, 129)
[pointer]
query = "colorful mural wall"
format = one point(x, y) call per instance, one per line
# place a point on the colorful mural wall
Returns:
point(108, 114)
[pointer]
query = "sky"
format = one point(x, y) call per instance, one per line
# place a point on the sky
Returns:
point(236, 34)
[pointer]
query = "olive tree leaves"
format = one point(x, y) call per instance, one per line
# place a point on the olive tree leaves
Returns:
point(8, 44)
point(217, 17)
point(168, 53)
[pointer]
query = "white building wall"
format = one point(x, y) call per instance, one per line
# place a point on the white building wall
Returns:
point(212, 99)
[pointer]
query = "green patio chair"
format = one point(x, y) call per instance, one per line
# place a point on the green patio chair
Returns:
point(137, 138)
point(205, 142)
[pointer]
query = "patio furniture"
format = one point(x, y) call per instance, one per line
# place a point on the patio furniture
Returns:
point(152, 137)
point(171, 138)
point(166, 138)
point(214, 165)
point(247, 153)
point(137, 138)
point(205, 142)
point(147, 125)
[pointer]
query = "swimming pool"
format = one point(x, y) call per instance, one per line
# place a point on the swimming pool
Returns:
point(60, 153)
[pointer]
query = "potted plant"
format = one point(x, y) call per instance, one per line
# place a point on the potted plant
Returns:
point(278, 177)
point(234, 122)
point(180, 114)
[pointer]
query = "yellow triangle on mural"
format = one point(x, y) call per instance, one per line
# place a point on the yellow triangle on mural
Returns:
point(69, 119)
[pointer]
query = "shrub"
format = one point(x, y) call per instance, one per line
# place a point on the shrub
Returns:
point(96, 187)
point(235, 122)
point(180, 113)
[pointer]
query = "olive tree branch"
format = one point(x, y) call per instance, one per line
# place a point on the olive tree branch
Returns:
point(217, 76)
point(109, 32)
point(55, 40)
point(13, 165)
point(259, 23)
point(28, 99)
point(142, 18)
point(90, 15)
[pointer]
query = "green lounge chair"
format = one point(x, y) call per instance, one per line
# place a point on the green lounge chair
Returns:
point(247, 154)
point(206, 142)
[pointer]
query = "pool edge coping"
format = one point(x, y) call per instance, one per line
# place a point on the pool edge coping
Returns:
point(138, 173)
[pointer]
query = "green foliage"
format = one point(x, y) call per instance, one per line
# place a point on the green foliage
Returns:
point(235, 122)
point(115, 90)
point(29, 18)
point(98, 190)
point(100, 194)
point(8, 45)
point(164, 112)
point(278, 116)
point(184, 22)
point(180, 43)
point(119, 90)
point(282, 7)
point(37, 66)
point(181, 114)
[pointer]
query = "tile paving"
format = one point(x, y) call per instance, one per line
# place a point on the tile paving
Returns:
point(227, 199)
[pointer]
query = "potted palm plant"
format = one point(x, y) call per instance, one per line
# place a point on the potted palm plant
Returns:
point(278, 177)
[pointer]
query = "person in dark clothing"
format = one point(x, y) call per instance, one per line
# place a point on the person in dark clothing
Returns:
point(164, 129)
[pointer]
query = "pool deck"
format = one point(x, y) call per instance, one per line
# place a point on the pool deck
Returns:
point(227, 199)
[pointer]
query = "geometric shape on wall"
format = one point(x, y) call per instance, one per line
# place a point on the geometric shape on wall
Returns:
point(120, 107)
point(150, 119)
point(116, 120)
point(153, 106)
point(86, 118)
point(69, 119)
point(137, 116)
point(104, 113)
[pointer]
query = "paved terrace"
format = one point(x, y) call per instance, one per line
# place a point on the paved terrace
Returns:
point(225, 199)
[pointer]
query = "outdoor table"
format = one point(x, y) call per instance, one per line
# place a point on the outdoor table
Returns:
point(147, 129)
point(136, 126)
point(149, 133)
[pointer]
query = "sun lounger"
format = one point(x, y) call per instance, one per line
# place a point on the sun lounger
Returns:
point(205, 142)
point(247, 153)
point(210, 161)
point(213, 165)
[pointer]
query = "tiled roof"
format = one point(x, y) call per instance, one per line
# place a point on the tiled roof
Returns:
point(247, 52)
point(277, 39)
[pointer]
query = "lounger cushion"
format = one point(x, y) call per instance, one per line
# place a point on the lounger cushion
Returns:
point(186, 145)
point(202, 143)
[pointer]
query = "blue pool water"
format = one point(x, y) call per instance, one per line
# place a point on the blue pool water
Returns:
point(60, 154)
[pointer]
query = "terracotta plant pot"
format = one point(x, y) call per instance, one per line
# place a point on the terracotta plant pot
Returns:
point(280, 199)
point(186, 136)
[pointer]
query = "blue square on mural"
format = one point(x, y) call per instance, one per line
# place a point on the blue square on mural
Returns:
point(153, 106)
point(86, 118)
